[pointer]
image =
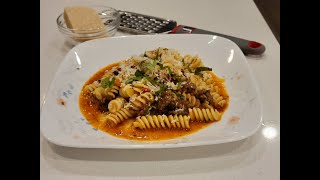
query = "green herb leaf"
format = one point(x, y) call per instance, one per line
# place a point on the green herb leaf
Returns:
point(133, 79)
point(138, 73)
point(107, 83)
point(161, 65)
point(180, 95)
point(199, 69)
point(129, 81)
point(154, 82)
point(138, 76)
point(162, 89)
point(169, 70)
point(149, 65)
point(179, 85)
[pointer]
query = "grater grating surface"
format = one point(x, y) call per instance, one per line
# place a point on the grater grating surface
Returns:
point(144, 24)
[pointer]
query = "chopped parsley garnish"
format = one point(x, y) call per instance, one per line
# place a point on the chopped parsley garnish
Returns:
point(161, 65)
point(138, 76)
point(107, 83)
point(154, 82)
point(188, 66)
point(151, 66)
point(179, 85)
point(138, 73)
point(199, 69)
point(180, 95)
point(169, 70)
point(162, 89)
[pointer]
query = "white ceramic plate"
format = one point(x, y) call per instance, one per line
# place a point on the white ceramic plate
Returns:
point(65, 125)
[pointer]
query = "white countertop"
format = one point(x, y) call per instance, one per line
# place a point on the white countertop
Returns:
point(257, 157)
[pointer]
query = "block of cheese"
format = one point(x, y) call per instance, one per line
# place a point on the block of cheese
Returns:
point(83, 20)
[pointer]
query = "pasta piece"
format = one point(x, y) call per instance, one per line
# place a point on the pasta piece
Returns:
point(197, 114)
point(111, 92)
point(152, 54)
point(100, 93)
point(139, 84)
point(207, 105)
point(212, 85)
point(115, 118)
point(129, 90)
point(168, 64)
point(192, 99)
point(91, 87)
point(218, 99)
point(103, 94)
point(140, 101)
point(108, 73)
point(126, 91)
point(116, 104)
point(198, 81)
point(162, 121)
point(196, 62)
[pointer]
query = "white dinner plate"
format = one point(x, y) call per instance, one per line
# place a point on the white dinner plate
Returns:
point(66, 126)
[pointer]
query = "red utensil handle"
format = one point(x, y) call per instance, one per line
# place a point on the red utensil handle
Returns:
point(248, 47)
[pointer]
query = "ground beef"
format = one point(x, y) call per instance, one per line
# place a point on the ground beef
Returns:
point(103, 106)
point(204, 95)
point(189, 87)
point(182, 106)
point(210, 98)
point(144, 110)
point(166, 102)
point(169, 103)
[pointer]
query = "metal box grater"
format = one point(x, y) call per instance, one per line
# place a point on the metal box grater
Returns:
point(144, 24)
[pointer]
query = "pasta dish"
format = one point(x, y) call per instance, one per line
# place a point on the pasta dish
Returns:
point(157, 95)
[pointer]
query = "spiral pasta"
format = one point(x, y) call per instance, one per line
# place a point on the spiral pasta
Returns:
point(192, 99)
point(111, 92)
point(144, 98)
point(207, 105)
point(91, 87)
point(139, 84)
point(116, 104)
point(196, 62)
point(126, 91)
point(100, 93)
point(197, 80)
point(218, 100)
point(152, 54)
point(212, 85)
point(197, 114)
point(116, 118)
point(162, 121)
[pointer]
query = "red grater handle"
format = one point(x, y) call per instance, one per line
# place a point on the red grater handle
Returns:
point(248, 47)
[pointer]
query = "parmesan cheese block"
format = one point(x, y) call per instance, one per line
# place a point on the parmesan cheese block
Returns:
point(83, 20)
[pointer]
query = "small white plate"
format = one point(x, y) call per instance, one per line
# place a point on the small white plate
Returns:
point(65, 125)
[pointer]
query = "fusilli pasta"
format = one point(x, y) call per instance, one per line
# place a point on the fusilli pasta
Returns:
point(162, 121)
point(116, 118)
point(192, 99)
point(91, 87)
point(197, 114)
point(142, 100)
point(218, 100)
point(116, 104)
point(111, 92)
